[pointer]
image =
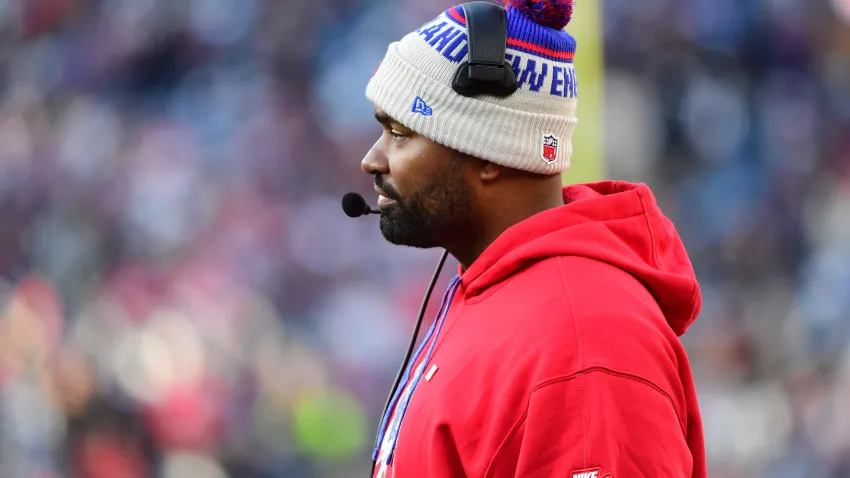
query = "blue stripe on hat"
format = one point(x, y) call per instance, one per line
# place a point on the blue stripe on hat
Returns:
point(526, 36)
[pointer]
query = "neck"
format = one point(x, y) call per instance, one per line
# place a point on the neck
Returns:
point(500, 216)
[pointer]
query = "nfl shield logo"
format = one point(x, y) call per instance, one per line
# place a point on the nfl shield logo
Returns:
point(550, 148)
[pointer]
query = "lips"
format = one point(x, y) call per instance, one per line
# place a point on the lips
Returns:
point(381, 192)
point(384, 199)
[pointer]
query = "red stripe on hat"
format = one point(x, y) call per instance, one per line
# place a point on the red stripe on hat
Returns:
point(457, 16)
point(561, 55)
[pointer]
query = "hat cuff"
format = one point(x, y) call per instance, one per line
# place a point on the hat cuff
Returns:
point(482, 129)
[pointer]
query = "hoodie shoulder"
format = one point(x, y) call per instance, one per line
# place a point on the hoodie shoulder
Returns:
point(579, 314)
point(619, 325)
point(615, 223)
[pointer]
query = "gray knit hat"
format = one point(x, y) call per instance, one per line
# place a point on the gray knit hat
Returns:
point(530, 130)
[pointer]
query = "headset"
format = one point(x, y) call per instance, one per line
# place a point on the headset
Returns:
point(485, 73)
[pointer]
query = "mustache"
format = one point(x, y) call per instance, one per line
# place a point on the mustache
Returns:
point(382, 184)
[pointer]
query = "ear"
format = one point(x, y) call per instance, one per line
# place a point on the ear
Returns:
point(488, 171)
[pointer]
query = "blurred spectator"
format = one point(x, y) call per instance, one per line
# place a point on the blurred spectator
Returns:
point(183, 297)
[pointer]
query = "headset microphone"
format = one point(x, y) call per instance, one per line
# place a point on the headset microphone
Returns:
point(355, 206)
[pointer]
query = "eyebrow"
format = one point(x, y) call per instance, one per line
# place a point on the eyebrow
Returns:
point(384, 118)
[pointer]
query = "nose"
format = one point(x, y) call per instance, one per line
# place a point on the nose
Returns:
point(375, 161)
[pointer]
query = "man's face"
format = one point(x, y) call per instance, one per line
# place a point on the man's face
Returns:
point(424, 197)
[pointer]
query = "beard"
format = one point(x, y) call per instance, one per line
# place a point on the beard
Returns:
point(431, 216)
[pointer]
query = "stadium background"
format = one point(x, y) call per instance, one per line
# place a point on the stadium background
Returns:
point(182, 296)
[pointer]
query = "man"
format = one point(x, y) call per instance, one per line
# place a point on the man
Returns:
point(555, 352)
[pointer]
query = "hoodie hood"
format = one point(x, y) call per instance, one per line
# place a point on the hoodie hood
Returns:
point(617, 223)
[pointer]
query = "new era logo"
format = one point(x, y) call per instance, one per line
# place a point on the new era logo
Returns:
point(590, 473)
point(419, 106)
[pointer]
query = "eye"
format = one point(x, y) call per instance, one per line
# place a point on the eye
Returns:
point(397, 134)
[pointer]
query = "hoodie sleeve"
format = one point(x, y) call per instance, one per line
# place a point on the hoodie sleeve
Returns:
point(595, 424)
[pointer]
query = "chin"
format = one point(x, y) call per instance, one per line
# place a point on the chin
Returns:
point(402, 231)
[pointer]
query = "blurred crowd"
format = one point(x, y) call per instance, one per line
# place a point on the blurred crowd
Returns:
point(181, 295)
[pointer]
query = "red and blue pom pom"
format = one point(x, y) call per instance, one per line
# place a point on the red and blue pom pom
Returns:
point(548, 13)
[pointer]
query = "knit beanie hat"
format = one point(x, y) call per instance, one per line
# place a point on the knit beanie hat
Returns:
point(530, 130)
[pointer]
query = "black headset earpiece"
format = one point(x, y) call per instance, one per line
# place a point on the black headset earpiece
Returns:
point(487, 72)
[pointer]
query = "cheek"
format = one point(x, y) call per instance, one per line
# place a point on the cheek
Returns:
point(413, 164)
point(403, 164)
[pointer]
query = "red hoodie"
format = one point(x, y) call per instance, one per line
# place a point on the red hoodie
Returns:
point(557, 353)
